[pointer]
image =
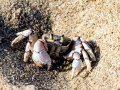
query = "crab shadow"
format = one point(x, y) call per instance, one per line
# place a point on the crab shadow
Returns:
point(96, 51)
point(61, 65)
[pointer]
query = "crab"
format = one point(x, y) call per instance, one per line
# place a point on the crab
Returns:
point(79, 49)
point(51, 45)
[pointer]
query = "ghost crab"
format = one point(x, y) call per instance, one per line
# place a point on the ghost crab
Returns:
point(75, 49)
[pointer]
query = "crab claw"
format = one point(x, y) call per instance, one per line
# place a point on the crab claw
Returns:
point(76, 64)
point(22, 35)
point(62, 39)
point(40, 55)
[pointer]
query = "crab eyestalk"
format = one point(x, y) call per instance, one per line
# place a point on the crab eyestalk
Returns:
point(51, 37)
point(48, 37)
point(62, 39)
point(76, 64)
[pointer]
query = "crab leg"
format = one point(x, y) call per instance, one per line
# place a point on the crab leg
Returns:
point(87, 61)
point(58, 51)
point(52, 49)
point(73, 70)
point(88, 49)
point(27, 50)
point(21, 35)
point(69, 55)
point(77, 63)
